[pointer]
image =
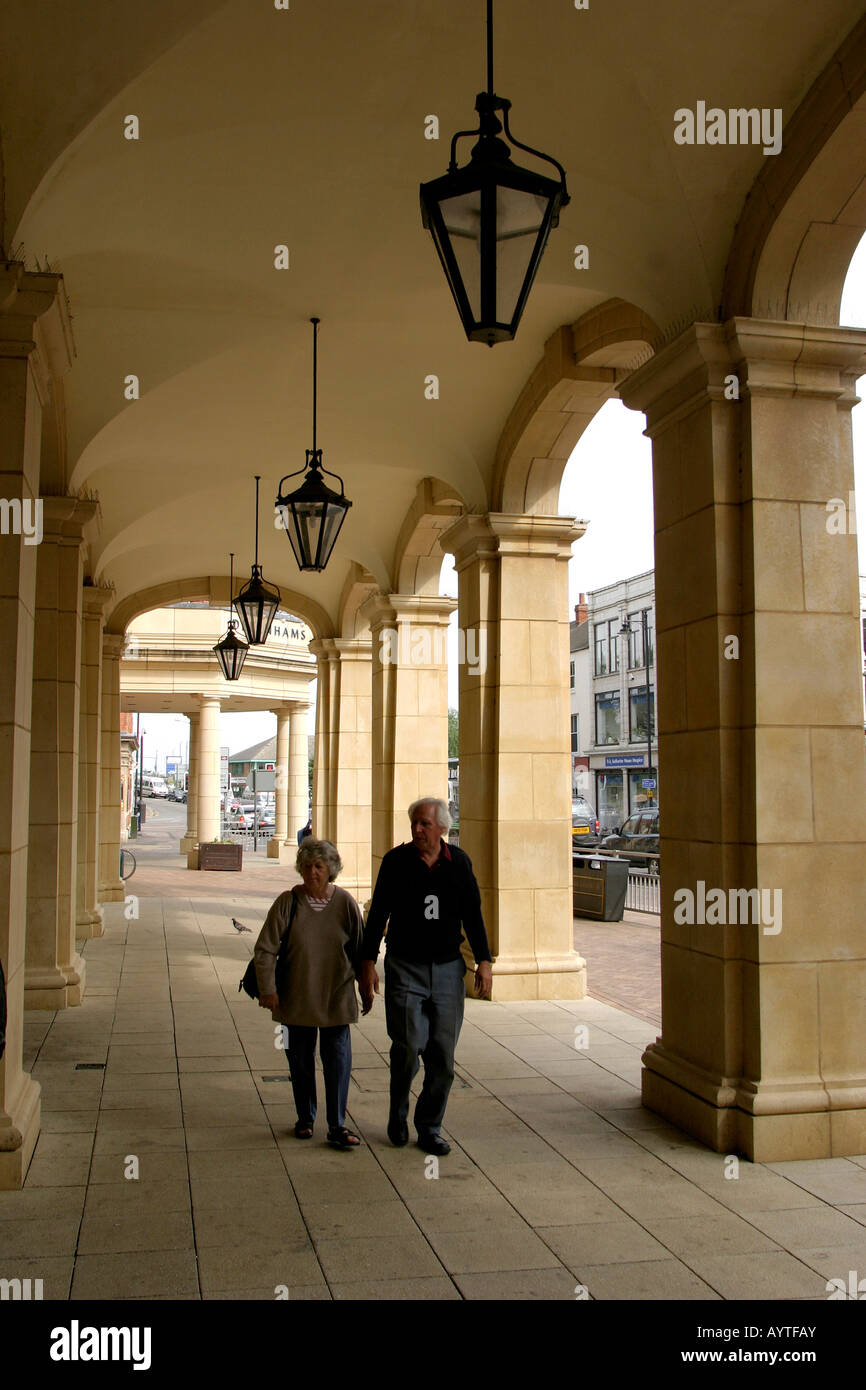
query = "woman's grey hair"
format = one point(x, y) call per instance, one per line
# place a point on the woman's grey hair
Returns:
point(311, 850)
point(440, 811)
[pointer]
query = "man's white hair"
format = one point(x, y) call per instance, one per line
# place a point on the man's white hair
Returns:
point(441, 812)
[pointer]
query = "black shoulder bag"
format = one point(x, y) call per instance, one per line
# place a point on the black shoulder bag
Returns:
point(250, 981)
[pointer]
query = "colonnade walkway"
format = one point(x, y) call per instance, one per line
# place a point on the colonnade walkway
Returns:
point(171, 1171)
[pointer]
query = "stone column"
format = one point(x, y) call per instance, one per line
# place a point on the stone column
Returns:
point(299, 774)
point(342, 782)
point(280, 840)
point(208, 809)
point(190, 839)
point(292, 778)
point(34, 346)
point(54, 975)
point(89, 915)
point(515, 758)
point(111, 887)
point(410, 709)
point(760, 739)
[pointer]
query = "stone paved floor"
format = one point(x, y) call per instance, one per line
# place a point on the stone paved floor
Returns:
point(557, 1179)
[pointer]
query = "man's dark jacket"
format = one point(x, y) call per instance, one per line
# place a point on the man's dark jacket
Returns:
point(425, 908)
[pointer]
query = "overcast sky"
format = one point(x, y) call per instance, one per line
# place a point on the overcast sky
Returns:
point(608, 483)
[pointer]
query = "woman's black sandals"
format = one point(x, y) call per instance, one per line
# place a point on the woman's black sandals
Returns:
point(303, 1130)
point(343, 1138)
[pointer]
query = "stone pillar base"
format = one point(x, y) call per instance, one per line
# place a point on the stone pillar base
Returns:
point(283, 850)
point(528, 978)
point(18, 1137)
point(188, 843)
point(56, 987)
point(112, 892)
point(806, 1129)
point(89, 924)
point(192, 858)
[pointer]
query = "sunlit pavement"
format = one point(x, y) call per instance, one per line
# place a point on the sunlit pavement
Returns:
point(172, 1173)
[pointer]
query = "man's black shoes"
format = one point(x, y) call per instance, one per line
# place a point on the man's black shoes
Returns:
point(434, 1144)
point(398, 1133)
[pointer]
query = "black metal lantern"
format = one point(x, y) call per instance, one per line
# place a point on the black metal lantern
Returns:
point(257, 602)
point(491, 219)
point(313, 514)
point(231, 651)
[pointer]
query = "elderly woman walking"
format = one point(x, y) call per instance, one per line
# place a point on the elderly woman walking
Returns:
point(318, 996)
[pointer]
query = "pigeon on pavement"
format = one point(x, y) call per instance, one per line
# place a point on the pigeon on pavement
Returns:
point(239, 926)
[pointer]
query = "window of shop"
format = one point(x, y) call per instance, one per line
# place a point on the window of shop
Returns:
point(607, 721)
point(575, 733)
point(608, 801)
point(639, 794)
point(637, 715)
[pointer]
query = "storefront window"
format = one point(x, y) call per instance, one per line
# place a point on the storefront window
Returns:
point(608, 801)
point(607, 722)
point(637, 710)
point(638, 793)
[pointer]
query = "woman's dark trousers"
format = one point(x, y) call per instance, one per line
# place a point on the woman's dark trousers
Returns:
point(335, 1048)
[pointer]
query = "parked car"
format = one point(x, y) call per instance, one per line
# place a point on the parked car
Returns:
point(153, 785)
point(240, 814)
point(638, 839)
point(584, 824)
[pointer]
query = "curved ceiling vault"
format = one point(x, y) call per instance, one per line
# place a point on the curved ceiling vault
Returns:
point(305, 127)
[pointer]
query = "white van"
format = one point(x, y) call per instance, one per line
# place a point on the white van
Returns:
point(153, 786)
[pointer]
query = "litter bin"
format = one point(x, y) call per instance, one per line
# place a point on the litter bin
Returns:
point(142, 813)
point(599, 884)
point(133, 826)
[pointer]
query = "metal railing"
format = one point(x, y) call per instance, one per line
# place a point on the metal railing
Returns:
point(643, 893)
point(248, 838)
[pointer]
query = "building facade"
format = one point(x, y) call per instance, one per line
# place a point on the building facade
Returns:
point(623, 751)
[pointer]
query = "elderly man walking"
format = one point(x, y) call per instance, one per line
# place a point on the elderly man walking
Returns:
point(427, 894)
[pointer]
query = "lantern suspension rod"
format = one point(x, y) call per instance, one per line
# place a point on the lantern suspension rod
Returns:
point(258, 478)
point(315, 323)
point(490, 48)
point(231, 579)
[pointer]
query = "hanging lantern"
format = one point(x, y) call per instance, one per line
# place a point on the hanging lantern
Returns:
point(491, 219)
point(313, 514)
point(257, 602)
point(231, 652)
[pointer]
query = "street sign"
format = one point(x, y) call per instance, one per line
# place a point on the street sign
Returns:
point(224, 769)
point(648, 782)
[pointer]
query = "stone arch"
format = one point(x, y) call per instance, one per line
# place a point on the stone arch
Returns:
point(582, 364)
point(215, 590)
point(418, 555)
point(806, 211)
point(359, 585)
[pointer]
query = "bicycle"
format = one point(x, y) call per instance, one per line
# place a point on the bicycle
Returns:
point(127, 862)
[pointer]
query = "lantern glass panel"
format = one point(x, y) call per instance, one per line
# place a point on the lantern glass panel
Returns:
point(520, 218)
point(462, 219)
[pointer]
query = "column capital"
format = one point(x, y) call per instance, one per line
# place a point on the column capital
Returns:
point(767, 357)
point(113, 644)
point(207, 701)
point(95, 600)
point(65, 518)
point(500, 533)
point(431, 610)
point(342, 648)
point(34, 322)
